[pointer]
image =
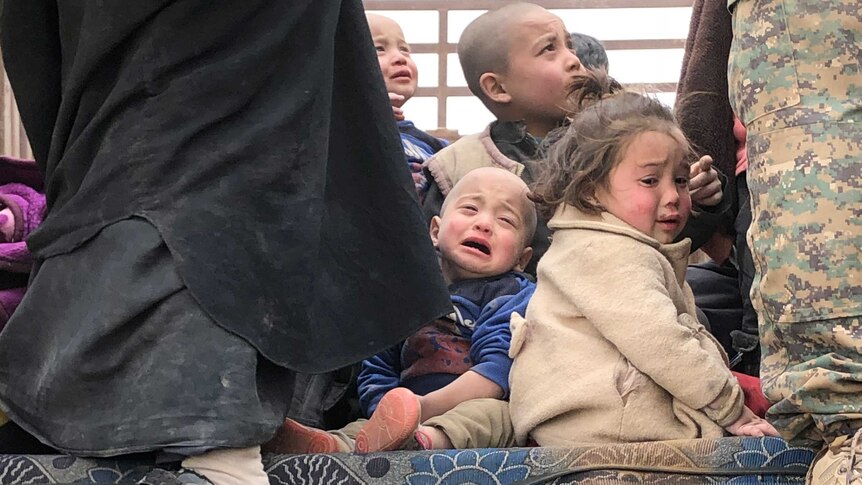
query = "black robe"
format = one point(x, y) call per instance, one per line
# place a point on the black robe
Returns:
point(257, 138)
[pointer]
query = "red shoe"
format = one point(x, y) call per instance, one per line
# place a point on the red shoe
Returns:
point(293, 438)
point(393, 423)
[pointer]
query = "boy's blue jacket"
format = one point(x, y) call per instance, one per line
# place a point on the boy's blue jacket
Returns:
point(475, 337)
point(418, 145)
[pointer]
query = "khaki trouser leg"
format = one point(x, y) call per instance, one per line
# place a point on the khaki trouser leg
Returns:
point(346, 436)
point(478, 423)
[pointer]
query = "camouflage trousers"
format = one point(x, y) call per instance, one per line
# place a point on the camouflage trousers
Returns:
point(796, 83)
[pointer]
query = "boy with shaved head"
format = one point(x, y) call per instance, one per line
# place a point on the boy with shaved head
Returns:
point(518, 61)
point(446, 385)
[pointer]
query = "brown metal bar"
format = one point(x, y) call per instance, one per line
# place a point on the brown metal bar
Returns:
point(441, 48)
point(442, 65)
point(446, 48)
point(613, 45)
point(448, 91)
point(651, 87)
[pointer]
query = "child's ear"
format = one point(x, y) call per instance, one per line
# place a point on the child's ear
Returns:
point(525, 258)
point(435, 229)
point(492, 85)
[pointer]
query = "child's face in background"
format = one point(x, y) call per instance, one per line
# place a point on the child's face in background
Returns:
point(393, 54)
point(541, 67)
point(648, 189)
point(482, 231)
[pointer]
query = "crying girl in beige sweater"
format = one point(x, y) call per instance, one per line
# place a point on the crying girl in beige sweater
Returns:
point(610, 349)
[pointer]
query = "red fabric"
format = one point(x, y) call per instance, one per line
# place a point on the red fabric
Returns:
point(754, 398)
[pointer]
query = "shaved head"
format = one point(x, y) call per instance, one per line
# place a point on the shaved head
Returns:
point(374, 18)
point(486, 176)
point(484, 45)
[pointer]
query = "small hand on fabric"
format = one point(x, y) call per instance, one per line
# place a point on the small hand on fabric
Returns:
point(749, 424)
point(704, 186)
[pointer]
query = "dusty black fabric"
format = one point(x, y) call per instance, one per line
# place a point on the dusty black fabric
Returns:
point(257, 137)
point(326, 401)
point(15, 441)
point(131, 363)
point(747, 339)
point(716, 294)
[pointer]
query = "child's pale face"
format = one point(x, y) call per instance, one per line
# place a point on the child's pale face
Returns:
point(649, 187)
point(482, 231)
point(541, 67)
point(393, 54)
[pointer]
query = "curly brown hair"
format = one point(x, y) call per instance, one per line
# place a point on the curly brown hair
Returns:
point(587, 150)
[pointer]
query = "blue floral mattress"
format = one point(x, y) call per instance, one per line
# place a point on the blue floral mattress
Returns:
point(726, 460)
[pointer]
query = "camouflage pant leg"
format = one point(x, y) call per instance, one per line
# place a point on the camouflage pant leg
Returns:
point(796, 83)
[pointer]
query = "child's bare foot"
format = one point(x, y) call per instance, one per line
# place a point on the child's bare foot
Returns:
point(294, 438)
point(394, 421)
point(431, 438)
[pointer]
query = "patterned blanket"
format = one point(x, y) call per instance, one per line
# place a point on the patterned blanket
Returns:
point(722, 461)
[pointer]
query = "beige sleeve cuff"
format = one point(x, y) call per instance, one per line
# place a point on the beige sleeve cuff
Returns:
point(727, 407)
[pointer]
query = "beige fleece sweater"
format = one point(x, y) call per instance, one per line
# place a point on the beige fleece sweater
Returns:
point(450, 164)
point(610, 350)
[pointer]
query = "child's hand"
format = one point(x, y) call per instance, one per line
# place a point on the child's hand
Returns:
point(704, 186)
point(749, 424)
point(396, 100)
point(418, 176)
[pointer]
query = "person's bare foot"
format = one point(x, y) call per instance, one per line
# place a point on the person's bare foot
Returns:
point(431, 438)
